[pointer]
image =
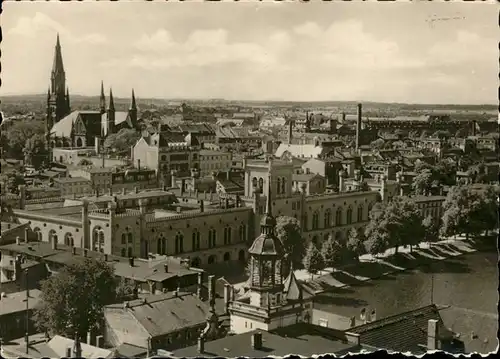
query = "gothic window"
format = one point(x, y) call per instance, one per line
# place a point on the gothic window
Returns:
point(196, 240)
point(315, 220)
point(179, 243)
point(349, 216)
point(328, 218)
point(360, 213)
point(212, 238)
point(98, 239)
point(278, 186)
point(243, 233)
point(124, 238)
point(227, 235)
point(129, 235)
point(68, 239)
point(283, 185)
point(261, 184)
point(161, 245)
point(254, 183)
point(338, 217)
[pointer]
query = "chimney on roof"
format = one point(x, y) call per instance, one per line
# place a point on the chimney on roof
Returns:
point(227, 296)
point(85, 252)
point(99, 341)
point(211, 289)
point(432, 334)
point(18, 240)
point(26, 235)
point(165, 267)
point(89, 338)
point(257, 341)
point(131, 261)
point(201, 344)
point(200, 284)
point(68, 352)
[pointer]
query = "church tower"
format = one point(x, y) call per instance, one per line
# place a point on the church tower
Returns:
point(133, 111)
point(58, 102)
point(102, 100)
point(271, 301)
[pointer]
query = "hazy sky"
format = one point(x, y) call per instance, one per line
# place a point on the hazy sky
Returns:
point(407, 52)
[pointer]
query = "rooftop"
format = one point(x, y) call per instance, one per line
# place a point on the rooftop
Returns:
point(299, 339)
point(166, 313)
point(16, 302)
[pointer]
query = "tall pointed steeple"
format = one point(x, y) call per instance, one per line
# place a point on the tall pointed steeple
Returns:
point(102, 100)
point(57, 65)
point(133, 105)
point(111, 106)
point(59, 102)
point(133, 110)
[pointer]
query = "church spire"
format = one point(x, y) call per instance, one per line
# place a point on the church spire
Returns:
point(68, 105)
point(57, 66)
point(133, 105)
point(102, 100)
point(111, 106)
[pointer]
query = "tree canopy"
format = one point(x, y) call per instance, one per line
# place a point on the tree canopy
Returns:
point(331, 251)
point(313, 260)
point(289, 232)
point(73, 300)
point(123, 140)
point(355, 243)
point(15, 137)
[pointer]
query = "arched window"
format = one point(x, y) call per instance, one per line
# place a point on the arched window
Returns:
point(328, 218)
point(195, 239)
point(338, 237)
point(283, 185)
point(243, 233)
point(254, 183)
point(360, 213)
point(124, 238)
point(100, 243)
point(261, 184)
point(338, 217)
point(52, 236)
point(38, 234)
point(123, 252)
point(315, 224)
point(161, 245)
point(212, 238)
point(98, 239)
point(212, 259)
point(227, 256)
point(227, 235)
point(179, 243)
point(130, 240)
point(68, 239)
point(278, 186)
point(349, 215)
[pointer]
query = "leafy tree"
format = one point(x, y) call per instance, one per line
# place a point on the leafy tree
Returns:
point(288, 230)
point(488, 210)
point(356, 243)
point(377, 242)
point(445, 171)
point(35, 150)
point(17, 135)
point(73, 300)
point(463, 209)
point(313, 260)
point(331, 251)
point(411, 231)
point(431, 227)
point(422, 182)
point(123, 140)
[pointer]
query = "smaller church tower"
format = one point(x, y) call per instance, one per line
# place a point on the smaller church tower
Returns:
point(271, 301)
point(133, 111)
point(111, 114)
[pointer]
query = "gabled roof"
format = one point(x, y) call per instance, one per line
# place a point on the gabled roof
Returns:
point(405, 332)
point(165, 313)
point(292, 288)
point(91, 120)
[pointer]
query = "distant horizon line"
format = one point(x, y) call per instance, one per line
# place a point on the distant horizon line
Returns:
point(260, 100)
